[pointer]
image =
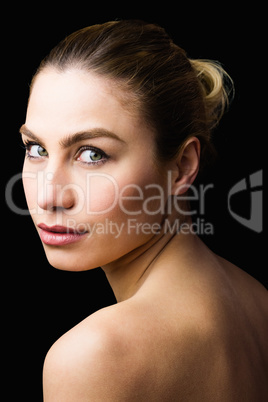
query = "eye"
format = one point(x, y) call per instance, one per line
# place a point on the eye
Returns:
point(92, 156)
point(35, 150)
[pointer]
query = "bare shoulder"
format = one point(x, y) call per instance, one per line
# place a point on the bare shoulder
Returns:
point(90, 362)
point(178, 347)
point(120, 353)
point(101, 359)
point(250, 291)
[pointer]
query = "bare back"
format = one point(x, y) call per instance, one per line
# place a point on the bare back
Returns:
point(193, 334)
point(205, 342)
point(217, 334)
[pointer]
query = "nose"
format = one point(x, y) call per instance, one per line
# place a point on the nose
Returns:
point(54, 191)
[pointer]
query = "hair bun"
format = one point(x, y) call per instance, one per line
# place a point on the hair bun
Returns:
point(217, 87)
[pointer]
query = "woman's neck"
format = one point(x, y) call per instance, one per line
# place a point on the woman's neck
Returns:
point(127, 274)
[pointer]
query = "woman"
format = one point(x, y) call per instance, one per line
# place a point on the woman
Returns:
point(118, 124)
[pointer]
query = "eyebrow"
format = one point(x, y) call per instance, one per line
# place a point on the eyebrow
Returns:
point(72, 139)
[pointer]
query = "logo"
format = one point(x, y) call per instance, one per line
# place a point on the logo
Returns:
point(150, 200)
point(251, 188)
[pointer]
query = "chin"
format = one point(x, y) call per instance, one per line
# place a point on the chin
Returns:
point(66, 261)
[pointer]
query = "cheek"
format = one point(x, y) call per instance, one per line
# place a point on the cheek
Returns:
point(149, 200)
point(102, 193)
point(143, 196)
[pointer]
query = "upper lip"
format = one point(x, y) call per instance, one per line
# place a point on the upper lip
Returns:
point(58, 229)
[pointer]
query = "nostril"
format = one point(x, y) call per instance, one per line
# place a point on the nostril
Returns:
point(55, 196)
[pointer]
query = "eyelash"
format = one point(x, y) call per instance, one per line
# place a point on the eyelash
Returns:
point(104, 156)
point(28, 144)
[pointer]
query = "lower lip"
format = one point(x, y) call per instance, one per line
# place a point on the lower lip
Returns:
point(60, 239)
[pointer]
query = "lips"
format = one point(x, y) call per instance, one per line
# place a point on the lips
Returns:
point(59, 235)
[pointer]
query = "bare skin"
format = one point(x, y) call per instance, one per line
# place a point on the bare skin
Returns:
point(188, 326)
point(195, 329)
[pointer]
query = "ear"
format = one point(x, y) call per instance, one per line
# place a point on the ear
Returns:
point(187, 166)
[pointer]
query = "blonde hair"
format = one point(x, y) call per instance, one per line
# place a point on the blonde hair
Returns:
point(179, 97)
point(217, 87)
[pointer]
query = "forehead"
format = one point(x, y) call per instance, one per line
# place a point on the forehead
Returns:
point(73, 100)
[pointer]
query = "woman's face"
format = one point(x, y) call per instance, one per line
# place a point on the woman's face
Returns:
point(91, 182)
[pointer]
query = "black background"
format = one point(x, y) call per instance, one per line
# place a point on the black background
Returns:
point(41, 303)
